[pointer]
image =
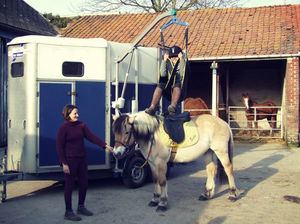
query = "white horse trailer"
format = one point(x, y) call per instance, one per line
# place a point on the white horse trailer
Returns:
point(46, 73)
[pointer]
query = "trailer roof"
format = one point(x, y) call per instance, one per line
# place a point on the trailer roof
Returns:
point(90, 42)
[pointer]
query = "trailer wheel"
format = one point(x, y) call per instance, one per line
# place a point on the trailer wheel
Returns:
point(133, 175)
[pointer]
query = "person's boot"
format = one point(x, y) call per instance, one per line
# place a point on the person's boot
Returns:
point(70, 215)
point(155, 100)
point(84, 211)
point(175, 98)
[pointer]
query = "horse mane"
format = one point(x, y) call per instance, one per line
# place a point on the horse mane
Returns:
point(144, 125)
point(251, 102)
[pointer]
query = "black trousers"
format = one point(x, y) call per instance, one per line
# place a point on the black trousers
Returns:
point(78, 170)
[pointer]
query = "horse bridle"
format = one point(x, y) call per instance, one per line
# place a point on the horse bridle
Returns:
point(129, 148)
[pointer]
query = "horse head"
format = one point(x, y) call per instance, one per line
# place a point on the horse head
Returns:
point(246, 100)
point(129, 129)
point(123, 131)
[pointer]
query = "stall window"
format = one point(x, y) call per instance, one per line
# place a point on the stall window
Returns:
point(17, 69)
point(72, 69)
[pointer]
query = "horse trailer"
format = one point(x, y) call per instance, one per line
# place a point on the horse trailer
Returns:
point(46, 73)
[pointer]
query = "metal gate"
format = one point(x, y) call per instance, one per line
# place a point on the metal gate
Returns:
point(240, 127)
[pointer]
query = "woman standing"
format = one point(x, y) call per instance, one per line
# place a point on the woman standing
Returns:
point(73, 157)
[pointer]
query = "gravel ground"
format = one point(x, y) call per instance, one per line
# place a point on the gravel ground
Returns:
point(267, 175)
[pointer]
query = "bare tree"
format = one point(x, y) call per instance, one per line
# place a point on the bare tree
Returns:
point(129, 6)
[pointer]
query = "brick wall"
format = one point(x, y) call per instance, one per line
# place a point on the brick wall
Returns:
point(292, 101)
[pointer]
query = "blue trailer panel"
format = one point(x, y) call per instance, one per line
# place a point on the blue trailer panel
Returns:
point(90, 99)
point(53, 96)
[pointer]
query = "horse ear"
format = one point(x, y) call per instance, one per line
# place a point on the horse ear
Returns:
point(114, 117)
point(131, 120)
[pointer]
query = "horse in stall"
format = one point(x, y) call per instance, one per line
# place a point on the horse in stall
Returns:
point(253, 115)
point(195, 106)
point(214, 137)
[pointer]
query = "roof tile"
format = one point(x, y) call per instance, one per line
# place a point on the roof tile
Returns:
point(212, 32)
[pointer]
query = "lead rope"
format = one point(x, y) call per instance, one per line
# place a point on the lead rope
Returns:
point(174, 146)
point(150, 150)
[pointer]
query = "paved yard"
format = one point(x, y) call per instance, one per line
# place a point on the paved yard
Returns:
point(267, 175)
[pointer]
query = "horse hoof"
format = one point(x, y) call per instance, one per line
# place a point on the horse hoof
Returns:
point(231, 198)
point(203, 198)
point(153, 204)
point(161, 208)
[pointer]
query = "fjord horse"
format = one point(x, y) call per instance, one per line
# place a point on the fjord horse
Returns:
point(214, 137)
point(263, 111)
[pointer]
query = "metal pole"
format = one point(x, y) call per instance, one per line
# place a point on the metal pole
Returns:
point(135, 103)
point(117, 89)
point(119, 102)
point(214, 66)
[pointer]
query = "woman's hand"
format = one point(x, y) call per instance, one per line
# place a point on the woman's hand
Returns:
point(111, 149)
point(66, 169)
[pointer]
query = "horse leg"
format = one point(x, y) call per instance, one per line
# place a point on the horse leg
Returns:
point(269, 118)
point(224, 158)
point(256, 128)
point(157, 190)
point(162, 181)
point(156, 195)
point(211, 172)
point(250, 127)
point(272, 123)
point(160, 195)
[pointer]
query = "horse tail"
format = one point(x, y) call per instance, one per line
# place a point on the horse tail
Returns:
point(221, 174)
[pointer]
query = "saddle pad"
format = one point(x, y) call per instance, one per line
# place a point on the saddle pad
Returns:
point(190, 132)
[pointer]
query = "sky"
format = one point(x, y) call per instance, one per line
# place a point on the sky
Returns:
point(68, 7)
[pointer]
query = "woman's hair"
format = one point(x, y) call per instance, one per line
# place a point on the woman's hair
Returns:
point(67, 110)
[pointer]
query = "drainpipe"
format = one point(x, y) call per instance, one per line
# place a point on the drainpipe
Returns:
point(214, 67)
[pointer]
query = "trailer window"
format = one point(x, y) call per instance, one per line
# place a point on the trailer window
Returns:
point(73, 69)
point(17, 69)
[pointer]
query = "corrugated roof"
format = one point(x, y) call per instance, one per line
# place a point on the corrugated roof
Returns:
point(270, 30)
point(17, 15)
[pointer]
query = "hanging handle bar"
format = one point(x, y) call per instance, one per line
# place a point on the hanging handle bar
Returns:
point(173, 20)
point(127, 74)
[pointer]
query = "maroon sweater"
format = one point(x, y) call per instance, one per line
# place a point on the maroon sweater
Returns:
point(70, 140)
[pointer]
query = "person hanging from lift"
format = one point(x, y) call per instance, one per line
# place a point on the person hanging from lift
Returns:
point(171, 80)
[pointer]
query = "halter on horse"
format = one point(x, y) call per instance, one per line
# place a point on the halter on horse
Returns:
point(214, 138)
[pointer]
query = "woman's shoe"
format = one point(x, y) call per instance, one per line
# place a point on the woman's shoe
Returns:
point(84, 211)
point(70, 215)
